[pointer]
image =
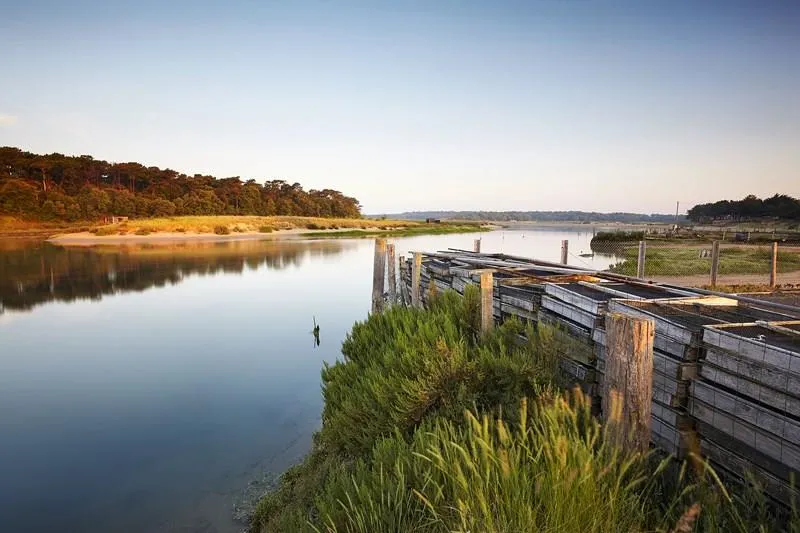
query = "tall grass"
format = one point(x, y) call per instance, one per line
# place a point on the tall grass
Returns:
point(431, 426)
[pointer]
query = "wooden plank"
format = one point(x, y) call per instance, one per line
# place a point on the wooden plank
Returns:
point(628, 383)
point(487, 304)
point(760, 416)
point(570, 312)
point(391, 276)
point(773, 271)
point(584, 303)
point(714, 262)
point(416, 274)
point(378, 273)
point(764, 375)
point(767, 443)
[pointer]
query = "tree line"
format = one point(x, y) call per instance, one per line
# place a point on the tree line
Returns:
point(59, 187)
point(780, 206)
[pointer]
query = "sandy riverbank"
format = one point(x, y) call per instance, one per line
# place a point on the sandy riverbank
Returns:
point(90, 239)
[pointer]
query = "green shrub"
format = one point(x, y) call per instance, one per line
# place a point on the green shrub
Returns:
point(105, 230)
point(222, 230)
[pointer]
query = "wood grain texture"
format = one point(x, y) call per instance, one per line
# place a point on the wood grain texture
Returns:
point(416, 273)
point(392, 279)
point(487, 301)
point(628, 382)
point(378, 273)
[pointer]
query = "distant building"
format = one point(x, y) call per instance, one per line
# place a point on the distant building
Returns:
point(433, 221)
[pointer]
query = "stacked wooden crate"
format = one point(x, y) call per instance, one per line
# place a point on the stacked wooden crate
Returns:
point(747, 402)
point(678, 347)
point(579, 310)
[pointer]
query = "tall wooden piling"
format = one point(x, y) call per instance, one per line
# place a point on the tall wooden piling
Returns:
point(714, 262)
point(628, 383)
point(487, 301)
point(641, 260)
point(773, 272)
point(476, 246)
point(416, 274)
point(564, 252)
point(391, 276)
point(378, 273)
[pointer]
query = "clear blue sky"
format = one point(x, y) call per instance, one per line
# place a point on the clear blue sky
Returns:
point(551, 105)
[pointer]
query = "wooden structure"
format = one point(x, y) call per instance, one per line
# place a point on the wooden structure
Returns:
point(722, 375)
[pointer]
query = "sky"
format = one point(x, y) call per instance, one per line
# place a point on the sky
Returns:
point(412, 105)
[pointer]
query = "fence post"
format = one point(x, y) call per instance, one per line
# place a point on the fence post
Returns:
point(773, 273)
point(391, 274)
point(628, 383)
point(402, 275)
point(476, 246)
point(416, 273)
point(378, 272)
point(487, 301)
point(641, 259)
point(714, 262)
point(564, 251)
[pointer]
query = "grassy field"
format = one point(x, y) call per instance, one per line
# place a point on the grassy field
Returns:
point(669, 260)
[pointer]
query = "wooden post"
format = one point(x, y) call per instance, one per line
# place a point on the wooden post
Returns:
point(416, 273)
point(402, 271)
point(628, 383)
point(773, 273)
point(564, 252)
point(476, 246)
point(641, 260)
point(487, 301)
point(391, 274)
point(714, 262)
point(378, 273)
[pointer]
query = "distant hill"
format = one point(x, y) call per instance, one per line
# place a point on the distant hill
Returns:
point(538, 216)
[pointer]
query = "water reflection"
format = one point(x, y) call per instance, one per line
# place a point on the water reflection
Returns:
point(33, 273)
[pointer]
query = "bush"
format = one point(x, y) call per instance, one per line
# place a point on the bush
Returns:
point(105, 230)
point(180, 230)
point(222, 230)
point(265, 229)
point(142, 231)
point(312, 225)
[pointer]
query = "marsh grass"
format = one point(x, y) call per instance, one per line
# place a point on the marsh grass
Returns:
point(671, 260)
point(430, 426)
point(389, 231)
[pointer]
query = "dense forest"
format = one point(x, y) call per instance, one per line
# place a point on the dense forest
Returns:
point(59, 187)
point(539, 216)
point(780, 206)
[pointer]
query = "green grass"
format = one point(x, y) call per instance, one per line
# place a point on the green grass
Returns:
point(427, 229)
point(687, 260)
point(430, 426)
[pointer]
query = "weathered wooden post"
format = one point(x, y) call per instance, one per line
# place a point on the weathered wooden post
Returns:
point(714, 262)
point(378, 272)
point(628, 383)
point(641, 260)
point(487, 301)
point(403, 288)
point(416, 274)
point(476, 246)
point(391, 274)
point(564, 251)
point(773, 272)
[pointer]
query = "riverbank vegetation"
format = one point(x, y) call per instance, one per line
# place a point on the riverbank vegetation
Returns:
point(777, 207)
point(408, 230)
point(55, 187)
point(430, 426)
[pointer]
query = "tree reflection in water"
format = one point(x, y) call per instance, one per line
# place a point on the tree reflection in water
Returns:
point(35, 272)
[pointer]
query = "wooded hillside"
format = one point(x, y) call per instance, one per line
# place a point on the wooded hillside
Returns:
point(59, 187)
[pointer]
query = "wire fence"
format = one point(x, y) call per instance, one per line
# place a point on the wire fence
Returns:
point(705, 263)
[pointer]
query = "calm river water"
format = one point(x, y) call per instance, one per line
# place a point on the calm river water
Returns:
point(142, 388)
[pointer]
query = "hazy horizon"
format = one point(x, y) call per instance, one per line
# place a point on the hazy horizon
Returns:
point(523, 106)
